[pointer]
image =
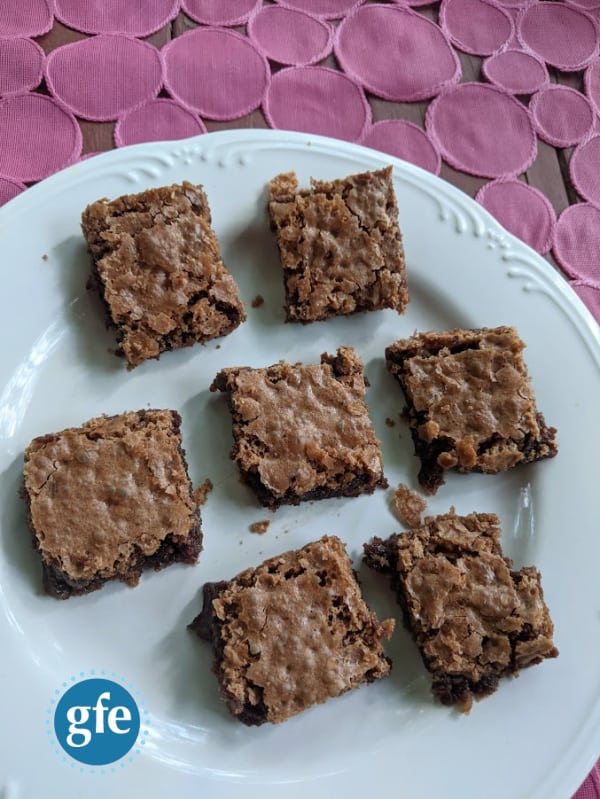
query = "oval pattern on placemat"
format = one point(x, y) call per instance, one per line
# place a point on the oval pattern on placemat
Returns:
point(102, 77)
point(577, 242)
point(523, 210)
point(217, 72)
point(21, 65)
point(317, 100)
point(475, 26)
point(116, 16)
point(162, 119)
point(219, 12)
point(516, 71)
point(289, 36)
point(565, 37)
point(382, 47)
point(482, 130)
point(25, 17)
point(37, 137)
point(403, 140)
point(562, 116)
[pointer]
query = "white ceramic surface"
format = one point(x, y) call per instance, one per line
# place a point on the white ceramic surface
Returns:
point(535, 738)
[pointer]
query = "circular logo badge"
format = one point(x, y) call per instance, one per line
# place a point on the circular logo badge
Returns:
point(97, 721)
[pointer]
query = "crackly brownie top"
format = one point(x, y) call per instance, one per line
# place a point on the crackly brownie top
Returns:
point(299, 424)
point(470, 612)
point(159, 263)
point(100, 490)
point(340, 244)
point(468, 385)
point(296, 631)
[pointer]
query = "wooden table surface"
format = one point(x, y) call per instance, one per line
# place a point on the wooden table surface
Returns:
point(548, 172)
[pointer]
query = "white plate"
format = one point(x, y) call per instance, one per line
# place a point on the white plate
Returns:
point(535, 737)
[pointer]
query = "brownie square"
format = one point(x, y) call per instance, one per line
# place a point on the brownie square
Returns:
point(157, 264)
point(472, 617)
point(340, 245)
point(291, 633)
point(109, 499)
point(303, 431)
point(469, 402)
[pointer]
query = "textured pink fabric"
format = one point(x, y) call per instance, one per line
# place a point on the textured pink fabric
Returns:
point(516, 71)
point(102, 77)
point(522, 210)
point(475, 26)
point(591, 296)
point(561, 116)
point(219, 12)
point(317, 100)
point(396, 53)
point(116, 16)
point(412, 3)
point(584, 169)
point(577, 242)
point(587, 5)
point(513, 4)
point(565, 37)
point(289, 36)
point(37, 137)
point(592, 84)
point(9, 189)
point(482, 130)
point(404, 140)
point(157, 120)
point(328, 9)
point(217, 72)
point(21, 65)
point(25, 17)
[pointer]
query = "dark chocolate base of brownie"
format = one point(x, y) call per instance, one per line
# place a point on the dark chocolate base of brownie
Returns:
point(57, 583)
point(431, 474)
point(353, 488)
point(207, 627)
point(527, 639)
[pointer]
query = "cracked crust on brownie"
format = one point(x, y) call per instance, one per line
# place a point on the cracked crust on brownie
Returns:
point(291, 633)
point(340, 245)
point(109, 499)
point(303, 431)
point(469, 402)
point(158, 267)
point(472, 617)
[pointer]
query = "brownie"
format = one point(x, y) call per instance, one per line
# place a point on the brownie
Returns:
point(472, 617)
point(157, 264)
point(303, 431)
point(291, 633)
point(470, 404)
point(109, 499)
point(340, 245)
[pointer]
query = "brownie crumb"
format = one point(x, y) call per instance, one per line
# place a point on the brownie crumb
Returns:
point(202, 491)
point(390, 422)
point(258, 301)
point(408, 506)
point(260, 527)
point(45, 257)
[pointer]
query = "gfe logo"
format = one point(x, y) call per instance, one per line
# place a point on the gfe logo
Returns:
point(97, 721)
